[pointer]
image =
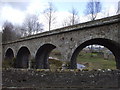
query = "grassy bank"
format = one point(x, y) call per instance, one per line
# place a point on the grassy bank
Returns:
point(96, 61)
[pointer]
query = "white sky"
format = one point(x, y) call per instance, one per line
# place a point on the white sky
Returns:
point(16, 10)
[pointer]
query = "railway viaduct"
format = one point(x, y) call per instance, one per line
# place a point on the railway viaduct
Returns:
point(68, 40)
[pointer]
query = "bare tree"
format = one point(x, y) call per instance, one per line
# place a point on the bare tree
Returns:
point(93, 8)
point(9, 32)
point(31, 25)
point(50, 15)
point(19, 30)
point(72, 19)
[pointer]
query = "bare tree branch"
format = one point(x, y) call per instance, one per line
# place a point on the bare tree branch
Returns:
point(50, 14)
point(93, 8)
point(31, 25)
point(72, 19)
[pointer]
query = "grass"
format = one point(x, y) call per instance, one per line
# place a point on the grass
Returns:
point(96, 61)
point(55, 64)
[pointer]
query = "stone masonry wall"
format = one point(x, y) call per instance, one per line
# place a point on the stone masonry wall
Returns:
point(67, 39)
point(0, 60)
point(0, 48)
point(24, 79)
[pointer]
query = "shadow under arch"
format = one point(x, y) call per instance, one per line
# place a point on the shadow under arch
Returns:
point(9, 54)
point(42, 56)
point(22, 59)
point(111, 45)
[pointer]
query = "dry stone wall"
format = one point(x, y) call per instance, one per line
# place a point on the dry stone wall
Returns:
point(61, 80)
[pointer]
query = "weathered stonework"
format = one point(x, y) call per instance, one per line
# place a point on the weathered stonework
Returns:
point(16, 79)
point(0, 60)
point(69, 41)
point(0, 47)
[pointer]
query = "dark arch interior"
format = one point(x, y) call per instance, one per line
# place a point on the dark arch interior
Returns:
point(9, 54)
point(111, 45)
point(42, 56)
point(22, 58)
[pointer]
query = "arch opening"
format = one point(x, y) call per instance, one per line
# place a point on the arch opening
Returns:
point(8, 61)
point(9, 55)
point(22, 59)
point(42, 56)
point(109, 44)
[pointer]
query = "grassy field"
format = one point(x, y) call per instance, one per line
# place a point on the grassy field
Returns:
point(96, 61)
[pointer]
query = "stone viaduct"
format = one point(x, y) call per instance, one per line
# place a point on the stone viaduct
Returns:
point(68, 40)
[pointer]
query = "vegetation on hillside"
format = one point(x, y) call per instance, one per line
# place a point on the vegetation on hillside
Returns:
point(96, 61)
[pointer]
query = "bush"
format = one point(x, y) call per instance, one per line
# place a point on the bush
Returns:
point(8, 63)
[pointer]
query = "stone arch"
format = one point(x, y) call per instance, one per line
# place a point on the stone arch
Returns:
point(22, 58)
point(111, 45)
point(9, 54)
point(42, 56)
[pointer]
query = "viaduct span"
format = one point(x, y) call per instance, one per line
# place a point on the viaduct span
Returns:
point(68, 40)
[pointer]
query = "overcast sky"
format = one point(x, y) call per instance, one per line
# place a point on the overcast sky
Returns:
point(16, 10)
